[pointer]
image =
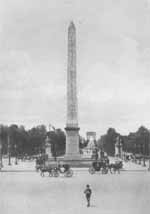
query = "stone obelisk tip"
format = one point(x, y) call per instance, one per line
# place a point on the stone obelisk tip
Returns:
point(72, 25)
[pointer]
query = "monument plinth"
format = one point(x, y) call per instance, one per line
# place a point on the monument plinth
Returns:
point(72, 129)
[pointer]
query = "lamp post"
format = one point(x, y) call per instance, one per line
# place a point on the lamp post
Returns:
point(9, 152)
point(1, 164)
point(140, 152)
point(16, 159)
point(149, 152)
point(135, 151)
point(54, 151)
point(144, 164)
point(52, 129)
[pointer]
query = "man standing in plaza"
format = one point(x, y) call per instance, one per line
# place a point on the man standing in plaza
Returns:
point(88, 193)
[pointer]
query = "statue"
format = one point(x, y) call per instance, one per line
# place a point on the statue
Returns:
point(48, 147)
point(118, 147)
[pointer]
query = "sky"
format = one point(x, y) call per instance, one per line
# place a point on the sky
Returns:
point(113, 63)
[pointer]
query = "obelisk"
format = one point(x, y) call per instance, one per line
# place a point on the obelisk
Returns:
point(72, 129)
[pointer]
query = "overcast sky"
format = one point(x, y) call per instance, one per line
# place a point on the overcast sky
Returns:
point(113, 62)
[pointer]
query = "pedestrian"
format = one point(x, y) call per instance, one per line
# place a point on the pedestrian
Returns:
point(88, 193)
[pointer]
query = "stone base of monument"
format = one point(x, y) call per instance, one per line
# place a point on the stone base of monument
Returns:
point(78, 162)
point(72, 157)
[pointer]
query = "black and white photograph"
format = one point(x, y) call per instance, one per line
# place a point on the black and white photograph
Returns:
point(74, 106)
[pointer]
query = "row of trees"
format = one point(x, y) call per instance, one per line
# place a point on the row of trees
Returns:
point(136, 142)
point(32, 141)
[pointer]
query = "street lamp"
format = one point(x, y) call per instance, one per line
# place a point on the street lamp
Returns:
point(144, 164)
point(135, 151)
point(1, 164)
point(54, 151)
point(144, 146)
point(16, 160)
point(9, 153)
point(140, 153)
point(149, 151)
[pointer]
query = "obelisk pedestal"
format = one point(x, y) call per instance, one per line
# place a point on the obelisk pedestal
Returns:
point(72, 143)
point(72, 129)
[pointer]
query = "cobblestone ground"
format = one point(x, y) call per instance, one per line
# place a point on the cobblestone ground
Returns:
point(26, 192)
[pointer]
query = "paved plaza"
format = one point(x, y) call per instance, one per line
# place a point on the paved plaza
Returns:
point(26, 192)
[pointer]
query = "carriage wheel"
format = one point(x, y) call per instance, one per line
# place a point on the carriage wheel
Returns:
point(55, 173)
point(50, 174)
point(104, 171)
point(91, 170)
point(69, 173)
point(42, 174)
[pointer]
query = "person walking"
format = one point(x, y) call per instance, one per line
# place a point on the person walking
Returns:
point(88, 193)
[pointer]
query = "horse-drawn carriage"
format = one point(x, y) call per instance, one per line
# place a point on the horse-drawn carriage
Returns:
point(98, 166)
point(55, 169)
point(104, 167)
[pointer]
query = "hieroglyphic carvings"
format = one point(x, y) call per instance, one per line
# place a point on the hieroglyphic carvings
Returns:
point(72, 130)
point(72, 117)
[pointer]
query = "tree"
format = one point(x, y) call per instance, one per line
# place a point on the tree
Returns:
point(137, 142)
point(107, 141)
point(4, 131)
point(58, 142)
point(36, 140)
point(142, 138)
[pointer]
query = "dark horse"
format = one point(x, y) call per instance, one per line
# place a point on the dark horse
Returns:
point(115, 167)
point(47, 169)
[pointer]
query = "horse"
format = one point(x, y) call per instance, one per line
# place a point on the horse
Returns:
point(44, 169)
point(115, 166)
